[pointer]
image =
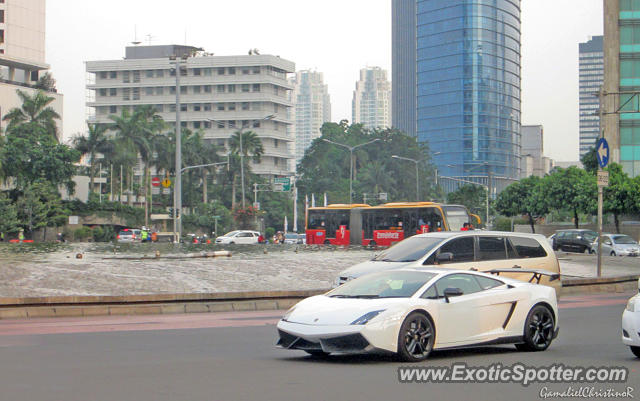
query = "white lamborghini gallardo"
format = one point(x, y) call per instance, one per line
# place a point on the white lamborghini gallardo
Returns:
point(412, 312)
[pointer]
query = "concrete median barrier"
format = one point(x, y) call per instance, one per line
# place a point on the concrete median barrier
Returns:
point(144, 304)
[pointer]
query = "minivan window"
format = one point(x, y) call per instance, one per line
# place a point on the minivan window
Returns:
point(491, 248)
point(461, 248)
point(409, 250)
point(527, 247)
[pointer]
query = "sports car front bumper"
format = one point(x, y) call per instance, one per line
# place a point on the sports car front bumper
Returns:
point(334, 339)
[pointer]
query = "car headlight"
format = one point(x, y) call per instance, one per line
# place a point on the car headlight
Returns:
point(288, 313)
point(364, 319)
point(631, 305)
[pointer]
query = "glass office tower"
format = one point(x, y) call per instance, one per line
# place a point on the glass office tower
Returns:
point(468, 86)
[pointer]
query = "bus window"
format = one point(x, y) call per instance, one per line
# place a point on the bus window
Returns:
point(316, 220)
point(456, 216)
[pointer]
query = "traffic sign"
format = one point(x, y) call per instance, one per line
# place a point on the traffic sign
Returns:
point(155, 191)
point(155, 181)
point(603, 178)
point(602, 152)
point(166, 183)
point(282, 184)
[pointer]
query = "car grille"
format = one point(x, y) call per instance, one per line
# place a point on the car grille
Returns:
point(348, 343)
point(287, 340)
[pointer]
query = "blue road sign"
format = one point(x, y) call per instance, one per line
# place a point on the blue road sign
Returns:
point(602, 152)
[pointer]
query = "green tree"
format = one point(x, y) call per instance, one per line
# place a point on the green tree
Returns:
point(524, 197)
point(590, 161)
point(619, 197)
point(251, 147)
point(474, 197)
point(96, 142)
point(40, 206)
point(9, 222)
point(46, 82)
point(573, 189)
point(35, 110)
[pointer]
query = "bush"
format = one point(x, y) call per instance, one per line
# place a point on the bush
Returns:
point(269, 232)
point(82, 233)
point(502, 224)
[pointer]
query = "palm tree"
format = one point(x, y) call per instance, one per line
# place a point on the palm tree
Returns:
point(34, 110)
point(251, 146)
point(96, 142)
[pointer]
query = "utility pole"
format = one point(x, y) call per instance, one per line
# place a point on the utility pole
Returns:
point(600, 188)
point(177, 189)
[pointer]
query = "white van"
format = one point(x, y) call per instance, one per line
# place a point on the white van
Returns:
point(477, 250)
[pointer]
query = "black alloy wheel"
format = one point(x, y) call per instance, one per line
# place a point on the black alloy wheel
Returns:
point(416, 338)
point(538, 329)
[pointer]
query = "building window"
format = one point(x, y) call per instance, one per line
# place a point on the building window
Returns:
point(196, 72)
point(197, 107)
point(245, 87)
point(256, 124)
point(275, 143)
point(125, 76)
point(159, 90)
point(231, 107)
point(103, 75)
point(220, 142)
point(220, 106)
point(183, 124)
point(232, 123)
point(221, 71)
point(256, 87)
point(256, 70)
point(245, 123)
point(220, 124)
point(136, 93)
point(136, 76)
point(245, 106)
point(196, 124)
point(232, 70)
point(159, 108)
point(183, 71)
point(207, 124)
point(113, 74)
point(232, 88)
point(159, 73)
point(148, 74)
point(207, 107)
point(207, 89)
point(102, 92)
point(196, 89)
point(113, 92)
point(148, 91)
point(183, 90)
point(172, 108)
point(245, 71)
point(172, 90)
point(126, 94)
point(113, 109)
point(220, 88)
point(207, 72)
point(183, 107)
point(1, 16)
point(275, 161)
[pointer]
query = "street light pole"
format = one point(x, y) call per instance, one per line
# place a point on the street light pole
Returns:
point(351, 149)
point(177, 192)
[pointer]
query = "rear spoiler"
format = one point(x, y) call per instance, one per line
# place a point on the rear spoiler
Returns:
point(536, 275)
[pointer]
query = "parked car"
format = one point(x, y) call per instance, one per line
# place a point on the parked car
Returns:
point(411, 312)
point(574, 240)
point(239, 237)
point(293, 238)
point(129, 235)
point(617, 245)
point(631, 324)
point(465, 250)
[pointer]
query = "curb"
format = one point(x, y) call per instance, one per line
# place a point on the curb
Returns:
point(111, 305)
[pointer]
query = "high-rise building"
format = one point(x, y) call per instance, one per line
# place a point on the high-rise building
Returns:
point(403, 65)
point(22, 57)
point(218, 95)
point(533, 160)
point(621, 105)
point(468, 87)
point(311, 108)
point(371, 105)
point(591, 64)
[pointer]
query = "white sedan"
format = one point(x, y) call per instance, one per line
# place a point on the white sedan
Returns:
point(631, 323)
point(239, 237)
point(411, 312)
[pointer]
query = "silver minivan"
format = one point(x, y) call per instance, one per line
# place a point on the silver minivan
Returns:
point(478, 250)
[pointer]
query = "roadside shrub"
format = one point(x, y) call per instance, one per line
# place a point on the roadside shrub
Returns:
point(269, 232)
point(82, 233)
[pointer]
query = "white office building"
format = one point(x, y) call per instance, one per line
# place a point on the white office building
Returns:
point(371, 105)
point(22, 53)
point(591, 65)
point(218, 95)
point(533, 160)
point(312, 108)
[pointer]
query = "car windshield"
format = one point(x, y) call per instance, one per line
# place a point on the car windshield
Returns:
point(231, 234)
point(389, 284)
point(590, 235)
point(623, 239)
point(125, 232)
point(409, 250)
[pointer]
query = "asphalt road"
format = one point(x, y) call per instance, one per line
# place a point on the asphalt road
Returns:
point(231, 356)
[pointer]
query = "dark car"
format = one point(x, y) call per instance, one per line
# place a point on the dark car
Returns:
point(576, 240)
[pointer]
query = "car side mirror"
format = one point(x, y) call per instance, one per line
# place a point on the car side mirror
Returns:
point(455, 292)
point(444, 257)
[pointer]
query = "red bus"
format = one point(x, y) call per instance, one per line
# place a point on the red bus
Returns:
point(382, 225)
point(331, 224)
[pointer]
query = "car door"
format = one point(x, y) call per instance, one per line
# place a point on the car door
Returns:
point(245, 238)
point(479, 315)
point(607, 245)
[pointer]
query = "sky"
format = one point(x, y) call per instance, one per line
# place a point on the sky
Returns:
point(335, 37)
